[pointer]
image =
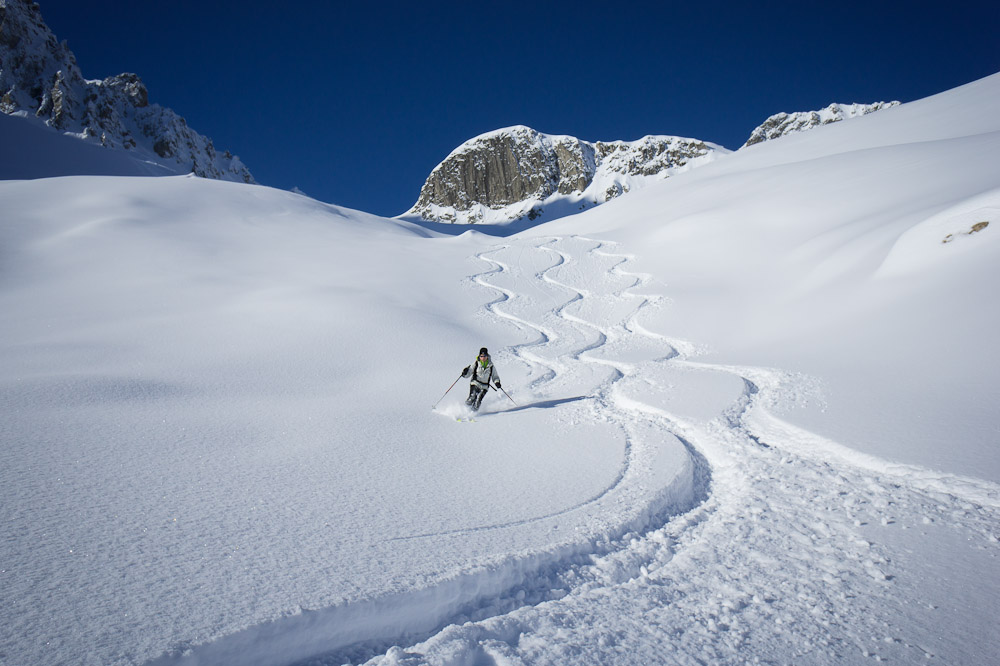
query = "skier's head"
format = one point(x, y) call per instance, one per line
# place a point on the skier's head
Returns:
point(483, 353)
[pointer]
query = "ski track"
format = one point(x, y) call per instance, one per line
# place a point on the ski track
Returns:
point(543, 353)
point(779, 534)
point(763, 552)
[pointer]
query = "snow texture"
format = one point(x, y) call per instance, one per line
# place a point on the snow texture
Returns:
point(752, 417)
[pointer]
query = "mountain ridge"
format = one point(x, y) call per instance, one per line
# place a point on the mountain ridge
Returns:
point(40, 78)
point(783, 124)
point(516, 172)
point(513, 173)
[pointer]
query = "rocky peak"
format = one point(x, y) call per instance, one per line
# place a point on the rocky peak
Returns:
point(39, 77)
point(782, 124)
point(518, 172)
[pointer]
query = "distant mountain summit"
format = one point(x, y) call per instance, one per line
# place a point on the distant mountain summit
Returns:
point(782, 124)
point(518, 172)
point(40, 77)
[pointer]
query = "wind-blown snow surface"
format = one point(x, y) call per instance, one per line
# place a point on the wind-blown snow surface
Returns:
point(755, 418)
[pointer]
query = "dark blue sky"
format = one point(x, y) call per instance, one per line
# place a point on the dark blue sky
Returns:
point(355, 102)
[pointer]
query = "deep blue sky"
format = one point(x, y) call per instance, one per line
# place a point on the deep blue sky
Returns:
point(355, 102)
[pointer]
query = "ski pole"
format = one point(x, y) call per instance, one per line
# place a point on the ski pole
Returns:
point(446, 392)
point(508, 397)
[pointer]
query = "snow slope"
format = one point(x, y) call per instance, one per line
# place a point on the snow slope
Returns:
point(231, 386)
point(33, 150)
point(754, 418)
point(825, 252)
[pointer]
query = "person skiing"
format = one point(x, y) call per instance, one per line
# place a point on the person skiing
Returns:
point(483, 372)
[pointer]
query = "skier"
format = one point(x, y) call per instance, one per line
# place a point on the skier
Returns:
point(483, 372)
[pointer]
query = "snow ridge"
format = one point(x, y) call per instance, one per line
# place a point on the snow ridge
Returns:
point(783, 124)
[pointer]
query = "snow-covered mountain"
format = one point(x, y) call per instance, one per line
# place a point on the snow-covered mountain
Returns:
point(750, 416)
point(783, 124)
point(518, 172)
point(40, 79)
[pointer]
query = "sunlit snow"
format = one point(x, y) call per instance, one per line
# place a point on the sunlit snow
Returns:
point(751, 416)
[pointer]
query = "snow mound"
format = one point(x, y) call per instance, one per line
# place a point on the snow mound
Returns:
point(963, 233)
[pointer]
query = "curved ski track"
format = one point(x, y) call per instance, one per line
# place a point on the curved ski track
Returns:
point(772, 559)
point(562, 341)
point(766, 549)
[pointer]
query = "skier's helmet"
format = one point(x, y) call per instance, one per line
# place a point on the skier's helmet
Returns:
point(483, 352)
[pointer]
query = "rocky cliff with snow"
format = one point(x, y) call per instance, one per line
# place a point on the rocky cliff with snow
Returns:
point(518, 172)
point(782, 124)
point(40, 78)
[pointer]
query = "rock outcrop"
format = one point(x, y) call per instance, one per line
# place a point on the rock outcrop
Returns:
point(782, 124)
point(39, 77)
point(519, 172)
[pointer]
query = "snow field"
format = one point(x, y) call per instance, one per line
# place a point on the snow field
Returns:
point(226, 446)
point(755, 420)
point(870, 541)
point(653, 477)
point(793, 553)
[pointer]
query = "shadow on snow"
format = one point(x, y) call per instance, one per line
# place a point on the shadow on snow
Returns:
point(542, 404)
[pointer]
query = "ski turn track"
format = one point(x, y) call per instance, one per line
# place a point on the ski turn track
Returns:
point(768, 544)
point(795, 549)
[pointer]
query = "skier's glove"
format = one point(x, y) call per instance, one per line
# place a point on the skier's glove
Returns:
point(498, 384)
point(465, 371)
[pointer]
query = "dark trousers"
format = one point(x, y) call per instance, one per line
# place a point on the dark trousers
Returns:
point(476, 396)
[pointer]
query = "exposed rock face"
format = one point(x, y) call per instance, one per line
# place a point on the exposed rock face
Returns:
point(782, 124)
point(39, 76)
point(515, 172)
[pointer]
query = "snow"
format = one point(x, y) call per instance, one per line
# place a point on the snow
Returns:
point(782, 124)
point(33, 150)
point(751, 418)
